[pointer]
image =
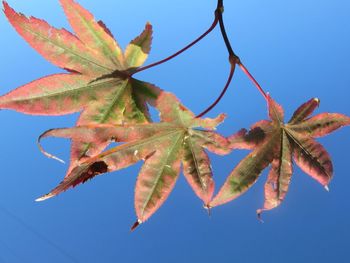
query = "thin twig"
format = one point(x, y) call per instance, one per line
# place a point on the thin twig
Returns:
point(211, 28)
point(232, 56)
point(223, 30)
point(233, 59)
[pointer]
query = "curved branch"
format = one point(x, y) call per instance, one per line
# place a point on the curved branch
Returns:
point(232, 54)
point(233, 59)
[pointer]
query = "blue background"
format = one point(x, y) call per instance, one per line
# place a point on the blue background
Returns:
point(296, 49)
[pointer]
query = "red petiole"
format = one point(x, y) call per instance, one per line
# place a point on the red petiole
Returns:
point(233, 58)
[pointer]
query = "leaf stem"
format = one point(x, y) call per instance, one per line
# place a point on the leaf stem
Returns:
point(211, 28)
point(232, 71)
point(233, 59)
point(232, 54)
point(250, 76)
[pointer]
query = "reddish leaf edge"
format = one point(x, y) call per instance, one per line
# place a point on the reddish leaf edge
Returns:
point(247, 142)
point(137, 223)
point(251, 143)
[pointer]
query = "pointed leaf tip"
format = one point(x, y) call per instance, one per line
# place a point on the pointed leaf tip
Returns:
point(138, 49)
point(149, 26)
point(220, 118)
point(275, 111)
point(44, 197)
point(6, 7)
point(208, 208)
point(136, 225)
point(304, 111)
point(209, 123)
point(259, 215)
point(93, 33)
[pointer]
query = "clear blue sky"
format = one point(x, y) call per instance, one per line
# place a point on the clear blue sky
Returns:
point(296, 49)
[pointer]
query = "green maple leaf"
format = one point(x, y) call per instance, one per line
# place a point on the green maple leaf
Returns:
point(162, 146)
point(276, 143)
point(89, 54)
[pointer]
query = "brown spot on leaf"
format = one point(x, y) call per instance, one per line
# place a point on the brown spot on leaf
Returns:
point(255, 136)
point(93, 170)
point(98, 168)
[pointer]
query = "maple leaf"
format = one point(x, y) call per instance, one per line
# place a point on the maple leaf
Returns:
point(163, 147)
point(276, 143)
point(89, 54)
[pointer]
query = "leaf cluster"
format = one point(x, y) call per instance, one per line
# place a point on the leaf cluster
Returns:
point(114, 107)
